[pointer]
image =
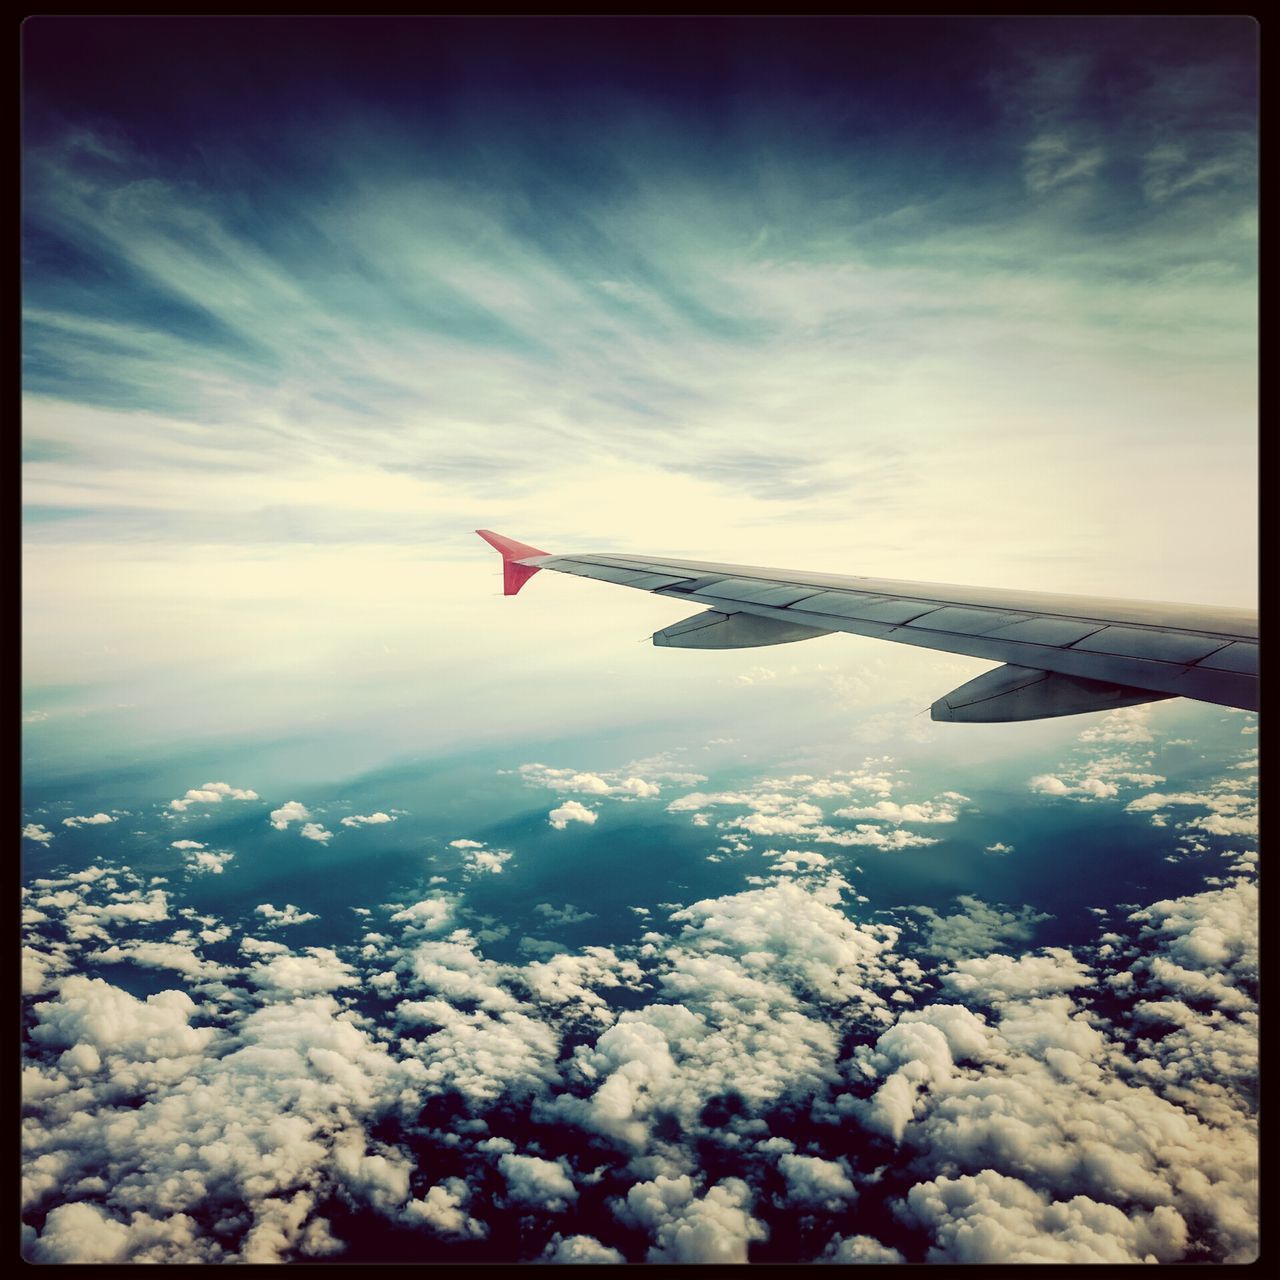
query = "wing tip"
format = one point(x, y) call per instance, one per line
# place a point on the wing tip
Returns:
point(514, 574)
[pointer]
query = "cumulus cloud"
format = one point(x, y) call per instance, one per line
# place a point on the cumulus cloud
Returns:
point(769, 1054)
point(290, 811)
point(860, 1249)
point(89, 1011)
point(442, 1211)
point(178, 956)
point(367, 820)
point(997, 978)
point(79, 1232)
point(942, 809)
point(685, 1227)
point(814, 1181)
point(208, 861)
point(571, 811)
point(477, 859)
point(1128, 724)
point(991, 1217)
point(94, 820)
point(200, 860)
point(34, 831)
point(430, 914)
point(977, 927)
point(1229, 812)
point(619, 783)
point(543, 1184)
point(229, 1138)
point(788, 807)
point(314, 831)
point(1051, 785)
point(585, 1250)
point(318, 970)
point(277, 918)
point(211, 793)
point(874, 838)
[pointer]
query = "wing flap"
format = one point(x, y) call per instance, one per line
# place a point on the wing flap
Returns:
point(1016, 693)
point(715, 630)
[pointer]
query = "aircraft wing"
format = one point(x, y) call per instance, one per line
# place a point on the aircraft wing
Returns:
point(1062, 654)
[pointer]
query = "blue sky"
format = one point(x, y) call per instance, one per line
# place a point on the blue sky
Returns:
point(307, 301)
point(305, 304)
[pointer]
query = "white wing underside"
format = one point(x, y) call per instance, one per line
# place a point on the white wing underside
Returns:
point(1064, 654)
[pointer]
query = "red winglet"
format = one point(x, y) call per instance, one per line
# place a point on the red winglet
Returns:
point(514, 575)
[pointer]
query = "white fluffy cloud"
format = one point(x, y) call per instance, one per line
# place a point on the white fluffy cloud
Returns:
point(79, 1232)
point(685, 1227)
point(977, 927)
point(1051, 785)
point(477, 859)
point(93, 820)
point(278, 918)
point(941, 809)
point(201, 860)
point(813, 1181)
point(208, 861)
point(431, 914)
point(290, 811)
point(490, 860)
point(233, 1134)
point(92, 1012)
point(442, 1211)
point(1229, 812)
point(367, 819)
point(860, 1249)
point(211, 793)
point(788, 807)
point(1093, 1104)
point(314, 831)
point(571, 811)
point(1128, 724)
point(543, 1184)
point(179, 956)
point(991, 1217)
point(997, 978)
point(318, 970)
point(619, 783)
point(37, 832)
point(581, 1250)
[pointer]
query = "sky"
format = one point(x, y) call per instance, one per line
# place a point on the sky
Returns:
point(308, 301)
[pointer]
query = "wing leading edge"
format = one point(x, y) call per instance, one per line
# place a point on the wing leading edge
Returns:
point(1063, 654)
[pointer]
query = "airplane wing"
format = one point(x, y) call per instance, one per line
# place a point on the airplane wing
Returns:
point(1062, 654)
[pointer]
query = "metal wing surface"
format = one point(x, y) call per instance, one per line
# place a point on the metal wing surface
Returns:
point(1062, 654)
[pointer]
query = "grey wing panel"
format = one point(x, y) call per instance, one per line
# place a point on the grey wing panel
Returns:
point(1193, 651)
point(1164, 661)
point(1239, 623)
